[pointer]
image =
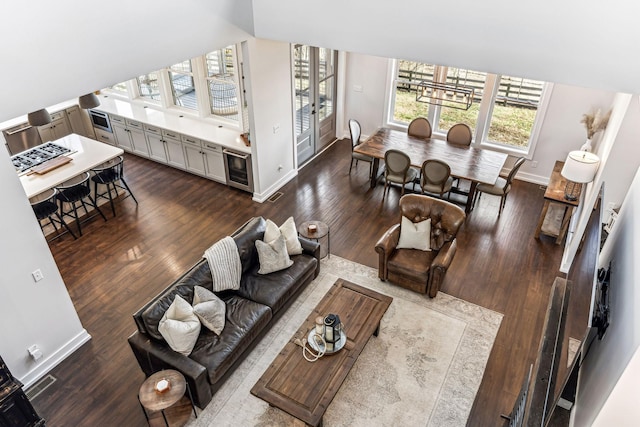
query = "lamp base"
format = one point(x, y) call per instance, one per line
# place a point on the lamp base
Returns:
point(570, 197)
point(570, 191)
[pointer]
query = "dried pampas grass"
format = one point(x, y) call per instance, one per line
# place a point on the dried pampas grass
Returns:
point(594, 122)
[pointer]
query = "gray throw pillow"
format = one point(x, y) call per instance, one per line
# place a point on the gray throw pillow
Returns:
point(209, 308)
point(273, 255)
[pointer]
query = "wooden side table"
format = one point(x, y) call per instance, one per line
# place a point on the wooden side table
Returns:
point(321, 231)
point(152, 400)
point(555, 194)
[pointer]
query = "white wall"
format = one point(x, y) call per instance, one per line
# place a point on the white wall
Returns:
point(606, 360)
point(63, 49)
point(578, 42)
point(30, 313)
point(269, 91)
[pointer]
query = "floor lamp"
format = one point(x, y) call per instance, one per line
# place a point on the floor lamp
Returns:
point(579, 168)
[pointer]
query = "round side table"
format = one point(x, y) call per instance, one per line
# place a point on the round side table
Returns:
point(152, 400)
point(320, 232)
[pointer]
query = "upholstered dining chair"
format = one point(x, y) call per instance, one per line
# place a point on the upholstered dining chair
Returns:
point(398, 170)
point(355, 131)
point(459, 134)
point(500, 188)
point(420, 259)
point(436, 177)
point(420, 128)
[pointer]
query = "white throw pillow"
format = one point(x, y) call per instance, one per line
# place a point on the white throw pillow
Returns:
point(209, 308)
point(273, 256)
point(179, 326)
point(288, 230)
point(415, 235)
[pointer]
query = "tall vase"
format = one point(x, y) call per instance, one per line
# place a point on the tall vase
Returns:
point(586, 146)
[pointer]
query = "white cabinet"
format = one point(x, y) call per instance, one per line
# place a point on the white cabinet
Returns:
point(193, 155)
point(77, 121)
point(129, 135)
point(165, 147)
point(106, 137)
point(58, 128)
point(173, 147)
point(214, 161)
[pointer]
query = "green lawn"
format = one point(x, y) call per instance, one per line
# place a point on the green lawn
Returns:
point(510, 124)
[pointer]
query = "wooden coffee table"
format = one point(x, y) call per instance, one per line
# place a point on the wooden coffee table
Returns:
point(305, 389)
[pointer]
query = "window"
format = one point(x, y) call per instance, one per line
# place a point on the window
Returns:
point(326, 79)
point(503, 112)
point(221, 83)
point(206, 85)
point(182, 85)
point(148, 86)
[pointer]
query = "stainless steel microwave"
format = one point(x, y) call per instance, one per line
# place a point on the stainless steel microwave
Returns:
point(100, 120)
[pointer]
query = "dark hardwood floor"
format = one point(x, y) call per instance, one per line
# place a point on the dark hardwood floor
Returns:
point(116, 266)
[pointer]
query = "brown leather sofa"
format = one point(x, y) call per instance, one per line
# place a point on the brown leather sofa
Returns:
point(421, 271)
point(250, 311)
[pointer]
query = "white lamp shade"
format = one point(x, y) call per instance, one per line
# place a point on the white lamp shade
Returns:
point(39, 118)
point(89, 100)
point(580, 167)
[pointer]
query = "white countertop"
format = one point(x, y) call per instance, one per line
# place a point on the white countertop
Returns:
point(86, 154)
point(175, 121)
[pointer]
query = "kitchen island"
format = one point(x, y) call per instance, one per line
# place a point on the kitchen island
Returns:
point(85, 154)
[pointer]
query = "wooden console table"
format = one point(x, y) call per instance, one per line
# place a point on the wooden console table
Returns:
point(555, 194)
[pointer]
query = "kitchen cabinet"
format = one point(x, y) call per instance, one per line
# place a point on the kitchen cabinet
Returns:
point(204, 158)
point(106, 137)
point(165, 147)
point(76, 121)
point(129, 135)
point(58, 127)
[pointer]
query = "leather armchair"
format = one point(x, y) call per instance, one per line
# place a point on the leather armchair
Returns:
point(421, 271)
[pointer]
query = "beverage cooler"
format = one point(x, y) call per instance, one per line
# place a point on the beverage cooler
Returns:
point(237, 167)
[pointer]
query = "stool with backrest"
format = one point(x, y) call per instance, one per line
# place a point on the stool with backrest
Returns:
point(398, 170)
point(77, 191)
point(420, 128)
point(500, 188)
point(45, 207)
point(355, 131)
point(111, 174)
point(436, 177)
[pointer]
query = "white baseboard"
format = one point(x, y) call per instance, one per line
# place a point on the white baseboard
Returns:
point(52, 361)
point(262, 197)
point(534, 179)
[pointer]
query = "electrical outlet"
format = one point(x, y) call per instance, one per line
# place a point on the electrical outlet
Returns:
point(37, 275)
point(534, 164)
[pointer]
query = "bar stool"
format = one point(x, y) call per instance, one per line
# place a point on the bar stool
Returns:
point(74, 191)
point(109, 174)
point(46, 208)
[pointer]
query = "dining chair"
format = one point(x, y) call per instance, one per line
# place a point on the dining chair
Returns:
point(45, 207)
point(420, 128)
point(111, 174)
point(459, 134)
point(436, 177)
point(500, 188)
point(355, 131)
point(398, 170)
point(74, 191)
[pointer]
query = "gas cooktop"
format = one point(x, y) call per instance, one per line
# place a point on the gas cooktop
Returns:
point(37, 155)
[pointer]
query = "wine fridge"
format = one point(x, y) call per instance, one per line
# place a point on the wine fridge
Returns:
point(237, 167)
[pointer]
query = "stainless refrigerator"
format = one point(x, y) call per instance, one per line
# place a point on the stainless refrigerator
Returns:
point(22, 138)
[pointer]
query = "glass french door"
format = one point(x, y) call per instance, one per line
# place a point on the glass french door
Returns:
point(315, 92)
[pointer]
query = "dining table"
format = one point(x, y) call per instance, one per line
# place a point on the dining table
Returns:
point(85, 154)
point(477, 165)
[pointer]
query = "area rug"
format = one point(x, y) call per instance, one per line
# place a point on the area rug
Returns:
point(423, 369)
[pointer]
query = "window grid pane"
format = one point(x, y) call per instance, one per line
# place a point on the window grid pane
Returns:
point(148, 86)
point(450, 116)
point(514, 111)
point(223, 91)
point(183, 89)
point(410, 73)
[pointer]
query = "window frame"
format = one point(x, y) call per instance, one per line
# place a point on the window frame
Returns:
point(199, 72)
point(484, 114)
